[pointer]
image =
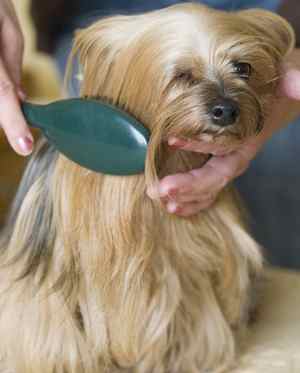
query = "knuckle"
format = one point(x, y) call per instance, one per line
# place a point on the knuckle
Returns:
point(6, 87)
point(176, 182)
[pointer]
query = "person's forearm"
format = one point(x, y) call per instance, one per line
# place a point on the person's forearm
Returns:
point(11, 54)
point(286, 108)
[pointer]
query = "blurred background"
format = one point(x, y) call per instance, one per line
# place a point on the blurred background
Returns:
point(271, 196)
point(41, 83)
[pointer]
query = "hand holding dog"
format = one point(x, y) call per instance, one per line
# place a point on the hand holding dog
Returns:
point(187, 194)
point(11, 54)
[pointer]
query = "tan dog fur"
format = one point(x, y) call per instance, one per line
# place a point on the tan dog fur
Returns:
point(95, 276)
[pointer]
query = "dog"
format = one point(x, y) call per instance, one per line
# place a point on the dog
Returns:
point(95, 276)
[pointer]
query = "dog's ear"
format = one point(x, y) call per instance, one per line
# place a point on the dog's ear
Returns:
point(271, 29)
point(96, 48)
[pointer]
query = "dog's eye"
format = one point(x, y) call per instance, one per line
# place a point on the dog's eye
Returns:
point(243, 69)
point(186, 76)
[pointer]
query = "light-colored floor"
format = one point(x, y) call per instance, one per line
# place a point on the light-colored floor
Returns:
point(273, 344)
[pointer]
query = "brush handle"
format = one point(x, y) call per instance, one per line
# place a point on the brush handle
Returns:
point(40, 116)
point(32, 114)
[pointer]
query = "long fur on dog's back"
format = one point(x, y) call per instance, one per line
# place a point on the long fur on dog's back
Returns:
point(39, 314)
point(86, 283)
point(104, 280)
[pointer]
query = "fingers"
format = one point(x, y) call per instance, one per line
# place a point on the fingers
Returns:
point(189, 193)
point(11, 117)
point(188, 209)
point(170, 186)
point(196, 185)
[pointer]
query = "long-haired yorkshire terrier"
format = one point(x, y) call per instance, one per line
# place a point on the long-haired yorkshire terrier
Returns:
point(96, 277)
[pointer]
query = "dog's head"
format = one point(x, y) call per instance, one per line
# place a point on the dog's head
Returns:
point(187, 70)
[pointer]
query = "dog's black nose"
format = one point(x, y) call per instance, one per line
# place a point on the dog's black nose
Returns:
point(225, 112)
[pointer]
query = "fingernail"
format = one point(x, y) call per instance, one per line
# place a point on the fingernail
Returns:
point(25, 144)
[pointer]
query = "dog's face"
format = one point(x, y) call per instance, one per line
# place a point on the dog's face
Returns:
point(188, 70)
point(220, 71)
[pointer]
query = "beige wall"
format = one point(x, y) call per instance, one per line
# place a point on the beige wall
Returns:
point(39, 73)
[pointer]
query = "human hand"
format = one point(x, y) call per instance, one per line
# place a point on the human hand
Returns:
point(187, 194)
point(11, 55)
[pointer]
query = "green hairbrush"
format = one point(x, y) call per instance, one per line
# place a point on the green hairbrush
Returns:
point(94, 134)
